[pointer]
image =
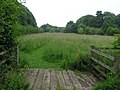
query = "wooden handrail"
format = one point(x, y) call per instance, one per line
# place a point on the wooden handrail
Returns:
point(115, 69)
point(102, 64)
point(103, 54)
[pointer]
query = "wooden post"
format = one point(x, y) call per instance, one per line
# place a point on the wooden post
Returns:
point(17, 55)
point(117, 66)
point(91, 53)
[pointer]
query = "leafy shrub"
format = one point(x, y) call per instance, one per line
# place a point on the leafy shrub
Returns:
point(112, 31)
point(92, 31)
point(14, 81)
point(80, 30)
point(112, 83)
point(23, 30)
point(117, 42)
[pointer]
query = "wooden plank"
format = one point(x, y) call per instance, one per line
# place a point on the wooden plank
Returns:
point(86, 81)
point(33, 77)
point(101, 72)
point(46, 80)
point(75, 80)
point(93, 79)
point(38, 81)
point(18, 55)
point(53, 80)
point(103, 54)
point(67, 80)
point(89, 80)
point(28, 73)
point(82, 81)
point(102, 64)
point(61, 80)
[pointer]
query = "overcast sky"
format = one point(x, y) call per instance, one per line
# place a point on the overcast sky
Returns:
point(59, 12)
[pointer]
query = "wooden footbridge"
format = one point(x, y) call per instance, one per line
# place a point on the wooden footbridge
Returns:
point(52, 79)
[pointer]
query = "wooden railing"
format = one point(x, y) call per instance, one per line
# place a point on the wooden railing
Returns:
point(3, 53)
point(102, 68)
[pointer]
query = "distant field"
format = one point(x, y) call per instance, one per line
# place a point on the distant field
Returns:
point(59, 50)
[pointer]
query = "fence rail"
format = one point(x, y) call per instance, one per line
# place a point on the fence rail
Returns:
point(116, 61)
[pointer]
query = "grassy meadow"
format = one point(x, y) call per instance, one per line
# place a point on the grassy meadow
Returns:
point(59, 50)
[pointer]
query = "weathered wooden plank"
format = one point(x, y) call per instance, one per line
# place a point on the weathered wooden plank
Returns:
point(86, 80)
point(103, 54)
point(93, 79)
point(33, 77)
point(18, 56)
point(28, 74)
point(67, 80)
point(46, 80)
point(38, 81)
point(75, 80)
point(53, 80)
point(89, 80)
point(102, 64)
point(61, 80)
point(101, 72)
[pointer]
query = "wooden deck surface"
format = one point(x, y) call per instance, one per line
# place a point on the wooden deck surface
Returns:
point(50, 79)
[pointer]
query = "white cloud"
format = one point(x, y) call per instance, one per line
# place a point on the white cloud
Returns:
point(59, 12)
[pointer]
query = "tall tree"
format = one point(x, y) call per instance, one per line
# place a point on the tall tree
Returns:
point(99, 19)
point(71, 27)
point(108, 21)
point(117, 20)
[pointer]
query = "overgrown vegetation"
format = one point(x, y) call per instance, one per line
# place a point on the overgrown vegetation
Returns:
point(106, 23)
point(14, 81)
point(59, 50)
point(112, 83)
point(48, 50)
point(9, 78)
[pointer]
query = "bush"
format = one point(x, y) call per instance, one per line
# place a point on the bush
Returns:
point(112, 31)
point(14, 81)
point(80, 30)
point(112, 83)
point(117, 42)
point(92, 31)
point(23, 30)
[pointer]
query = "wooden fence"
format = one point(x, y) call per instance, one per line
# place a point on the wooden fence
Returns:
point(3, 53)
point(102, 68)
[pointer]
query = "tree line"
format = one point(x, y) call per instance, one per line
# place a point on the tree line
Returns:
point(106, 23)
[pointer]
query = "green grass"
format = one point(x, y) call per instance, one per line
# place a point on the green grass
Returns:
point(59, 50)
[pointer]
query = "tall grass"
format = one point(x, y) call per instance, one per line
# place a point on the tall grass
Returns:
point(59, 50)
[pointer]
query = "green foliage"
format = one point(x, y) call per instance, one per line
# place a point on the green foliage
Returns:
point(80, 30)
point(117, 42)
point(23, 30)
point(59, 50)
point(112, 83)
point(71, 27)
point(14, 81)
point(8, 19)
point(91, 31)
point(26, 18)
point(50, 28)
point(112, 31)
point(107, 23)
